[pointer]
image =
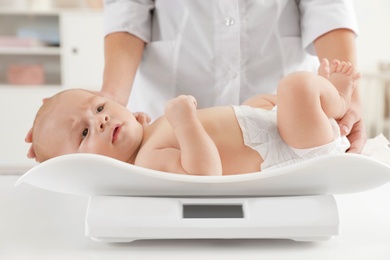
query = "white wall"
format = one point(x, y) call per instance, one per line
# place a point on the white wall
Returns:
point(373, 43)
point(373, 48)
point(18, 109)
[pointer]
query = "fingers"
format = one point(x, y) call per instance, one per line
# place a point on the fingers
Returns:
point(352, 126)
point(193, 99)
point(185, 99)
point(28, 138)
point(143, 118)
point(180, 110)
point(122, 101)
point(31, 153)
point(357, 138)
point(347, 122)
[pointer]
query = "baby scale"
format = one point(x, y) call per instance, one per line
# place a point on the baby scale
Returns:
point(130, 203)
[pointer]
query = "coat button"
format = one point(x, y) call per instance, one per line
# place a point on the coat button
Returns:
point(229, 21)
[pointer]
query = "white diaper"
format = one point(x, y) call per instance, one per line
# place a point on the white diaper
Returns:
point(261, 133)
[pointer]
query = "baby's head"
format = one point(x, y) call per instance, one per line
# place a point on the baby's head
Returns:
point(80, 121)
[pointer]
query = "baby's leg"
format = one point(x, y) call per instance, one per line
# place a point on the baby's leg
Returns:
point(306, 102)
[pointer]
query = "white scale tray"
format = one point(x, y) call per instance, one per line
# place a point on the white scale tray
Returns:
point(129, 202)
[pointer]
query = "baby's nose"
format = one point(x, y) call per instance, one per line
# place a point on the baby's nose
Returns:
point(103, 121)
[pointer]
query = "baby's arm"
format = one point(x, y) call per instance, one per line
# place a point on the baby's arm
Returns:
point(198, 153)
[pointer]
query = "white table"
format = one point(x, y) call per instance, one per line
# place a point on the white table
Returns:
point(38, 224)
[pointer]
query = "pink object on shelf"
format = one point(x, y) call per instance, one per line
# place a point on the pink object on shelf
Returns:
point(10, 41)
point(26, 74)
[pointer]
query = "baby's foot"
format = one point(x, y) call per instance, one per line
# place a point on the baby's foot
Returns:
point(343, 76)
point(324, 69)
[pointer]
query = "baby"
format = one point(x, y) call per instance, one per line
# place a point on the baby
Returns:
point(213, 141)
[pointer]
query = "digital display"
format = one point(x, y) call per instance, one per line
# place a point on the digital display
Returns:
point(212, 211)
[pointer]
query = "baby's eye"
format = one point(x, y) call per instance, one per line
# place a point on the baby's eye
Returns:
point(100, 108)
point(85, 133)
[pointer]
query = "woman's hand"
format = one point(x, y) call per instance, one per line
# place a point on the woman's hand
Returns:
point(353, 127)
point(109, 96)
point(28, 139)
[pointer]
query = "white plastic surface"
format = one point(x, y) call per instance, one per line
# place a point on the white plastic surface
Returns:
point(90, 174)
point(38, 224)
point(124, 219)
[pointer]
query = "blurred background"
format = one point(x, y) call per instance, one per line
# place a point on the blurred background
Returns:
point(48, 45)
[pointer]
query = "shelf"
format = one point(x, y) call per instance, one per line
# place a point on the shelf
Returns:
point(26, 11)
point(54, 35)
point(382, 76)
point(48, 12)
point(30, 51)
point(23, 88)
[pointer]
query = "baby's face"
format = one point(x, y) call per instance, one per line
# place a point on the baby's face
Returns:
point(83, 122)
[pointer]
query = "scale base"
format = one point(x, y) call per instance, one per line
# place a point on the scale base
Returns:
point(125, 219)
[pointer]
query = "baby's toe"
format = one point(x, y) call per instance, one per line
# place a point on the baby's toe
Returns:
point(347, 67)
point(340, 68)
point(333, 67)
point(356, 76)
point(351, 70)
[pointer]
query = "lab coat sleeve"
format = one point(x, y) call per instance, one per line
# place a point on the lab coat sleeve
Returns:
point(132, 16)
point(321, 16)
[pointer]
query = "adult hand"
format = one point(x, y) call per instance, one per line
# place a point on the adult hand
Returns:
point(353, 127)
point(108, 95)
point(29, 139)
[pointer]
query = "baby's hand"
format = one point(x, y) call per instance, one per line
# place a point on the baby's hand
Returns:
point(180, 109)
point(142, 118)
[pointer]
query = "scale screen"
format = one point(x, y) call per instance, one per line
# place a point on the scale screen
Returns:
point(213, 211)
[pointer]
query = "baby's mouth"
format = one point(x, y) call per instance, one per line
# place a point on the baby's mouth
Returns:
point(115, 133)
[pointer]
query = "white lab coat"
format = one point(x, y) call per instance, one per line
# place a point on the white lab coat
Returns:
point(221, 51)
